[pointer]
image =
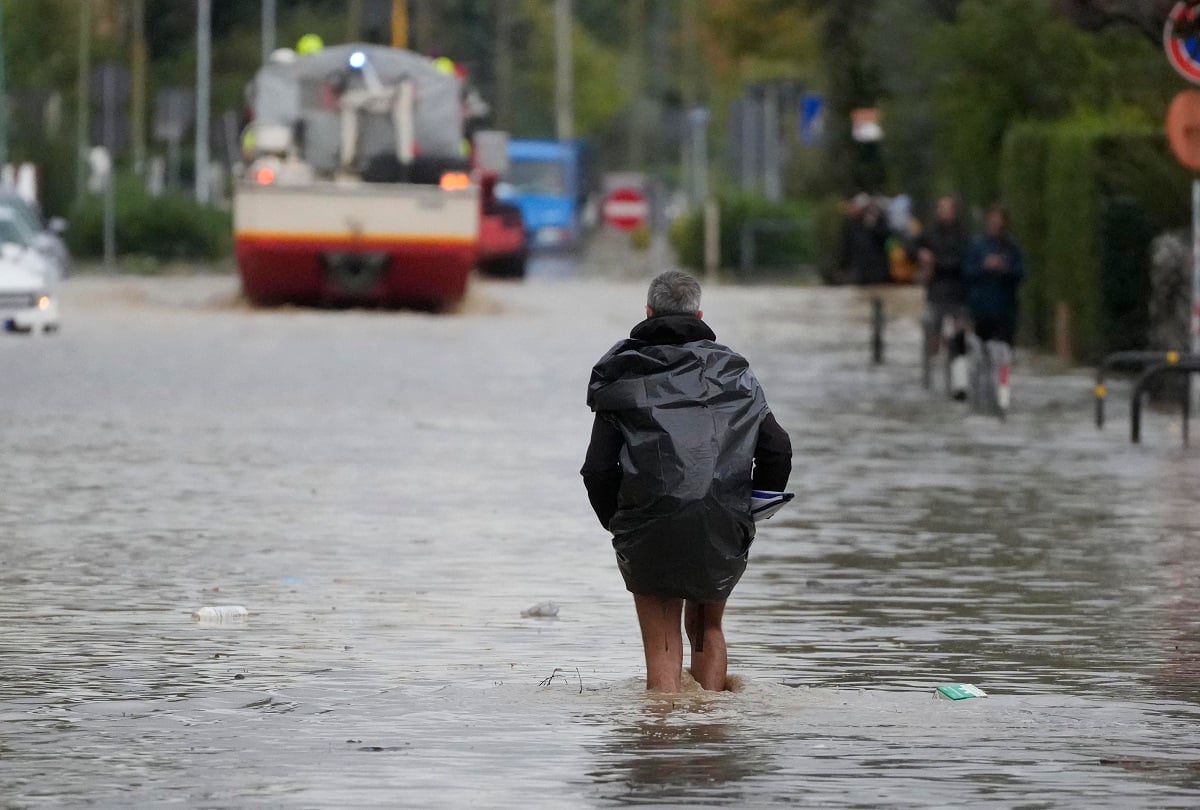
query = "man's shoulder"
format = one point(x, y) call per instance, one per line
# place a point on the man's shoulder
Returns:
point(622, 347)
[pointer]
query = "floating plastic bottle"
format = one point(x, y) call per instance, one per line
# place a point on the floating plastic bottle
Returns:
point(221, 614)
point(542, 610)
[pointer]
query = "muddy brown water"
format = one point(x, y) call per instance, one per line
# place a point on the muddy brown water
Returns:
point(386, 492)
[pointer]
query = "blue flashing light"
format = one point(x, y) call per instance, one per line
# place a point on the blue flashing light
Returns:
point(358, 60)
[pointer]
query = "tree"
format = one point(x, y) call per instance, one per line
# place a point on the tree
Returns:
point(1004, 61)
point(894, 36)
point(1147, 16)
point(599, 93)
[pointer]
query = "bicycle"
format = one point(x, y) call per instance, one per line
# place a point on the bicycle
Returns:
point(991, 376)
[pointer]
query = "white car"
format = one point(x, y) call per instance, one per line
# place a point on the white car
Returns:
point(28, 297)
point(28, 229)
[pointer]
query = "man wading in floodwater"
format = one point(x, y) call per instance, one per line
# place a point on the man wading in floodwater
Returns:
point(682, 434)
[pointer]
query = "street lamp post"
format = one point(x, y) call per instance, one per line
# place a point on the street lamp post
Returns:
point(82, 118)
point(203, 78)
point(564, 92)
point(138, 110)
point(268, 29)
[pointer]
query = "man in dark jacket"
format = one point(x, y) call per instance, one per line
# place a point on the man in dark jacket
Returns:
point(994, 270)
point(682, 434)
point(942, 249)
point(865, 232)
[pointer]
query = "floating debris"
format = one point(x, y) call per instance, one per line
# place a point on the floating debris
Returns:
point(559, 672)
point(959, 691)
point(542, 610)
point(221, 614)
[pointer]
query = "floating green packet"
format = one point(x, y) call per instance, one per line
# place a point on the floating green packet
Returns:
point(960, 691)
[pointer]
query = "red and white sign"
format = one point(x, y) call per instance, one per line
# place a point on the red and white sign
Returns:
point(1182, 42)
point(625, 209)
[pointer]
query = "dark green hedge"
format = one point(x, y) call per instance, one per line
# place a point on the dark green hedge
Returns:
point(1022, 187)
point(170, 227)
point(786, 248)
point(1086, 197)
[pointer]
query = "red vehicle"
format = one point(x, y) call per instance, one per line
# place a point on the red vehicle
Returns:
point(358, 191)
point(502, 247)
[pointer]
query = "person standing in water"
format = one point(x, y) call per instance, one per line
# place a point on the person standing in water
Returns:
point(682, 434)
point(994, 270)
point(941, 253)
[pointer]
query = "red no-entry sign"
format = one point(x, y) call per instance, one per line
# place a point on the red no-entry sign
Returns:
point(625, 209)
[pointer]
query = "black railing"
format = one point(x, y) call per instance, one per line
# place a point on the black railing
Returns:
point(1182, 365)
point(1127, 361)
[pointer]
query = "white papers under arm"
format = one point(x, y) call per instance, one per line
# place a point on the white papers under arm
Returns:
point(764, 503)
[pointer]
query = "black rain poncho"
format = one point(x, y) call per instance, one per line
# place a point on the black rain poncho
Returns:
point(689, 414)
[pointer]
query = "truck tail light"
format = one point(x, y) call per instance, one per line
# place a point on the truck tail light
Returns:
point(455, 181)
point(265, 176)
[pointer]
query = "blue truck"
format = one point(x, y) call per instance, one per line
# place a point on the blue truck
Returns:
point(548, 181)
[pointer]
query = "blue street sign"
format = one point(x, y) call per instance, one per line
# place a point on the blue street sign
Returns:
point(812, 119)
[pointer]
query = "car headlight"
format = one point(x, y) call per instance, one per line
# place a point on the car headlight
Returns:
point(43, 302)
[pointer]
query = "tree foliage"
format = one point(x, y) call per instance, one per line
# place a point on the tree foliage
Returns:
point(953, 85)
point(600, 93)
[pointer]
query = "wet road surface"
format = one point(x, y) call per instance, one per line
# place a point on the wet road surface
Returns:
point(386, 492)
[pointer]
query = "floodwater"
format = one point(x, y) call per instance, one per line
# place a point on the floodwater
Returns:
point(386, 492)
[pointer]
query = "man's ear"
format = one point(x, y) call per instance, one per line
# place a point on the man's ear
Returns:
point(649, 312)
point(700, 314)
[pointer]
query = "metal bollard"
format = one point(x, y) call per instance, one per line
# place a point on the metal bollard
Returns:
point(877, 331)
point(1133, 361)
point(1190, 366)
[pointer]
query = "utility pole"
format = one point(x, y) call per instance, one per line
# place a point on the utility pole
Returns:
point(689, 158)
point(637, 81)
point(137, 116)
point(203, 84)
point(268, 30)
point(3, 96)
point(82, 118)
point(564, 67)
point(423, 27)
point(354, 21)
point(504, 65)
point(109, 93)
point(772, 183)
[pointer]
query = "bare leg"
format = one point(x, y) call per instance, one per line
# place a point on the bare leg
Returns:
point(710, 661)
point(659, 618)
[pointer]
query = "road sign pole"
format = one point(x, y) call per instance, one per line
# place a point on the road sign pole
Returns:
point(109, 89)
point(1195, 319)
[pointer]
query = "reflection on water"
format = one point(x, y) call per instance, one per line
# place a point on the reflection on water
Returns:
point(682, 747)
point(386, 492)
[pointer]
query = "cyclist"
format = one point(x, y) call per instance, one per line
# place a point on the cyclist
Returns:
point(994, 269)
point(941, 251)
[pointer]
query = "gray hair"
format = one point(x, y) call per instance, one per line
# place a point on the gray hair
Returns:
point(674, 293)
